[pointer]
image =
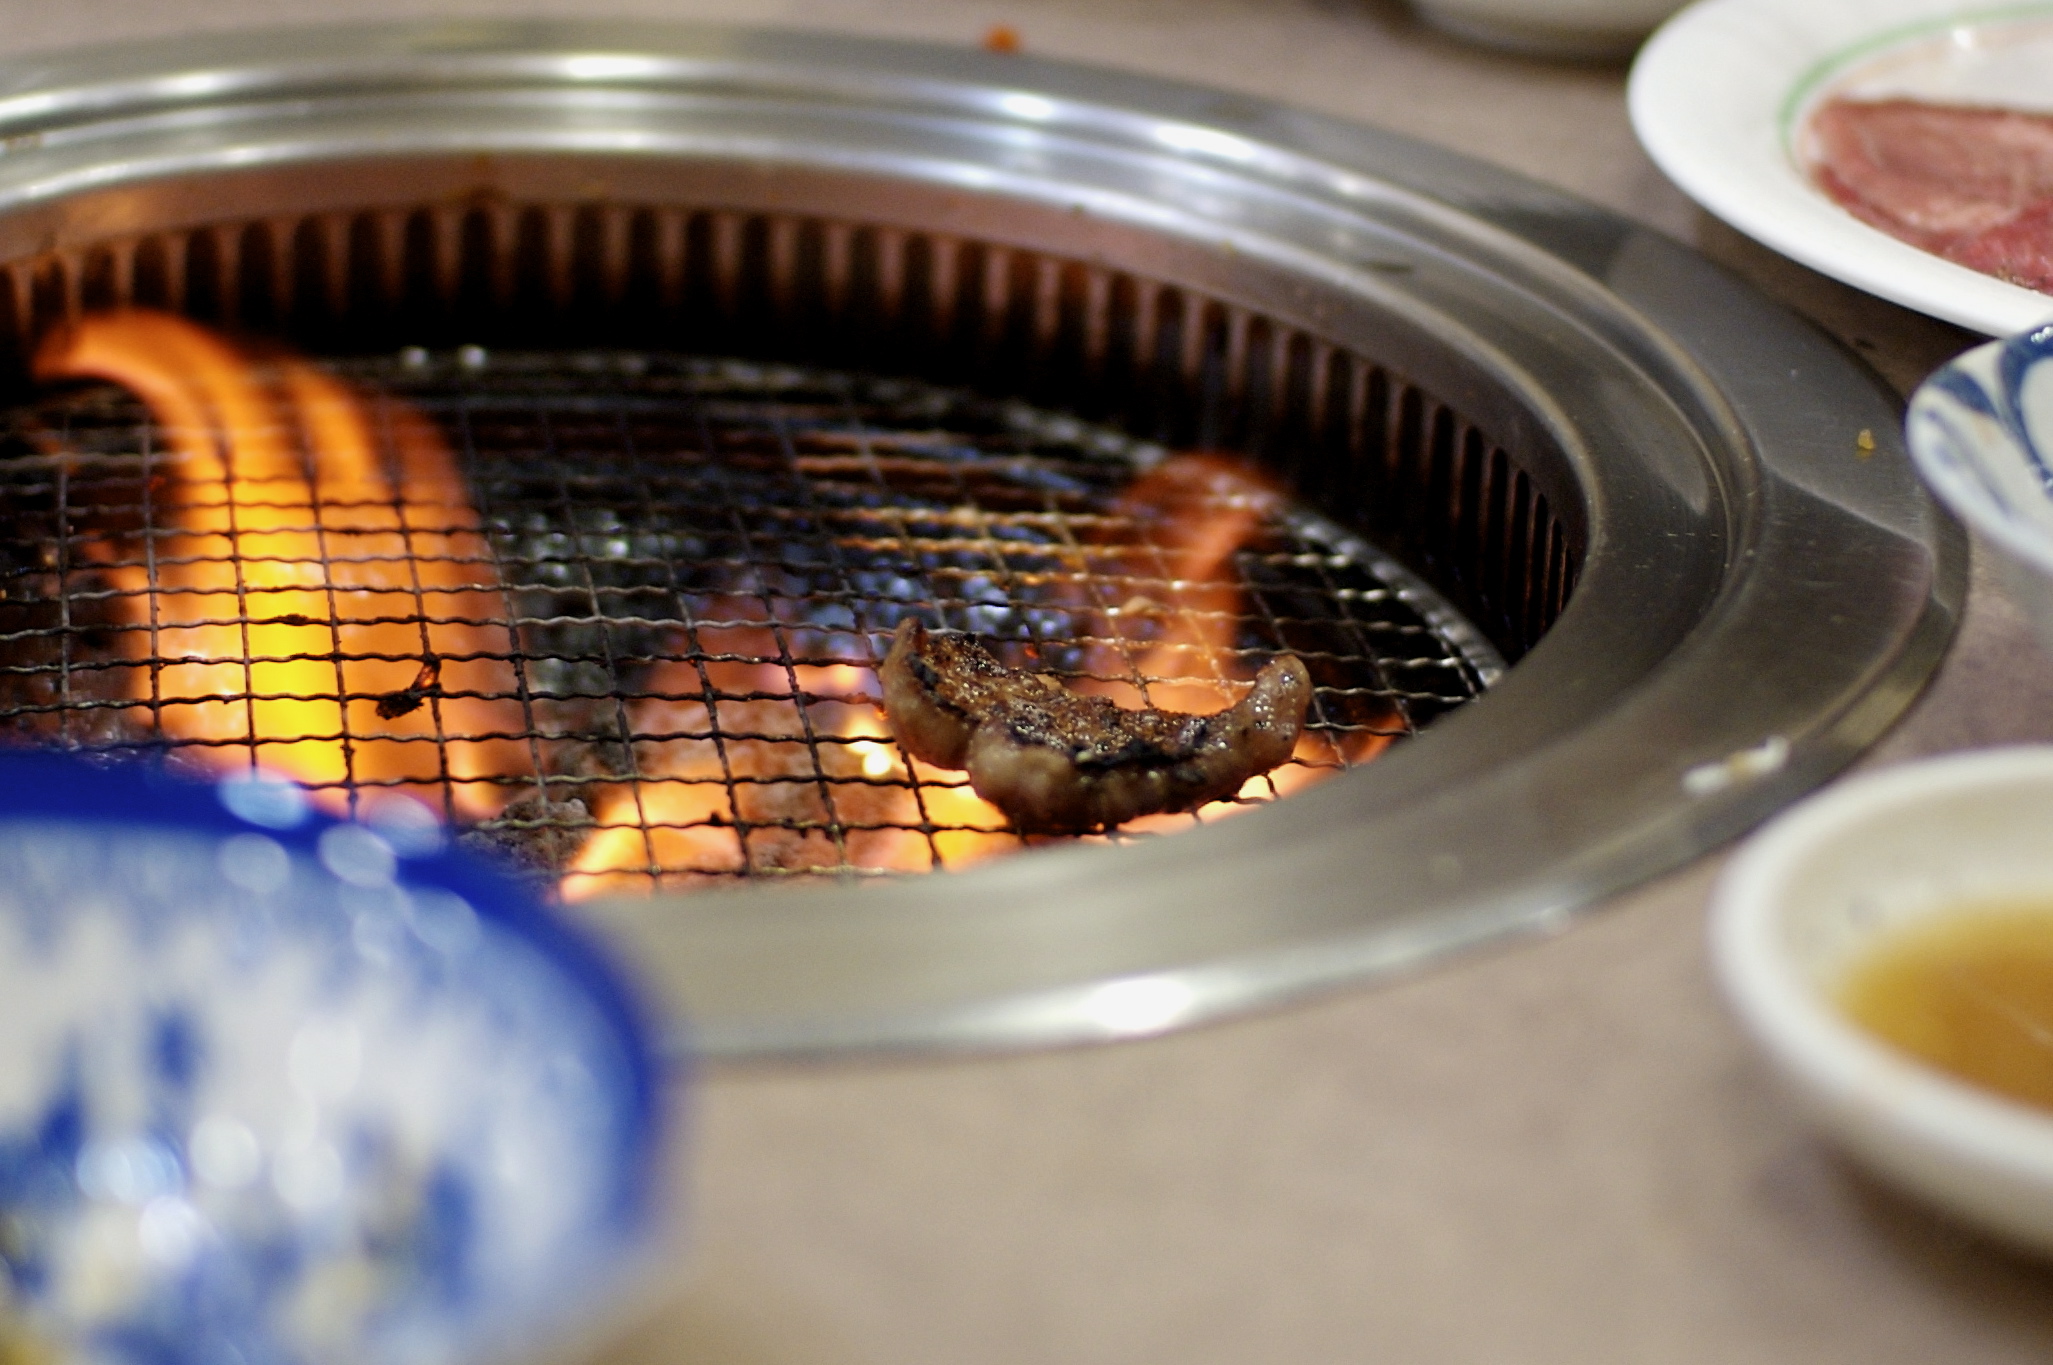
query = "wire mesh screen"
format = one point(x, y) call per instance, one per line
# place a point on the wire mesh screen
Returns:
point(618, 615)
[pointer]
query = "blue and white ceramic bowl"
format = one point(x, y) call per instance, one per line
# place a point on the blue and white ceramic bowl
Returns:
point(1981, 432)
point(281, 1090)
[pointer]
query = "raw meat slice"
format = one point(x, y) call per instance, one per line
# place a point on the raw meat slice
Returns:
point(1973, 185)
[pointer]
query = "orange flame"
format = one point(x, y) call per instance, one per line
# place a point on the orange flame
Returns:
point(299, 571)
point(1194, 512)
point(1197, 511)
point(312, 609)
point(744, 728)
point(726, 780)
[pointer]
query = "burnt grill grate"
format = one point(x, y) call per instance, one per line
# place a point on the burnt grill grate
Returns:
point(679, 574)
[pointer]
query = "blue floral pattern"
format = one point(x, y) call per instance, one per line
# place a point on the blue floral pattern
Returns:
point(1979, 428)
point(280, 1095)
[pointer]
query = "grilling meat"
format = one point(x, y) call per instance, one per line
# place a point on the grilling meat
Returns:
point(1053, 759)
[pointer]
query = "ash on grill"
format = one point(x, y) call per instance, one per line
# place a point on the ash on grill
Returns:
point(700, 563)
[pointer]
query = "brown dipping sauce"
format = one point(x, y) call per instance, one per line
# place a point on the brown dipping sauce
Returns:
point(1970, 993)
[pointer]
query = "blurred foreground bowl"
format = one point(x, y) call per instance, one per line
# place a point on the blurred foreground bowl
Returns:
point(1815, 891)
point(1981, 429)
point(1580, 29)
point(277, 1089)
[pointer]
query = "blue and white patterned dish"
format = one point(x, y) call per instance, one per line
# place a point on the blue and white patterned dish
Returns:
point(281, 1090)
point(1981, 432)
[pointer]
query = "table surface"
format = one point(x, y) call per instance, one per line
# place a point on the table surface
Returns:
point(1556, 1151)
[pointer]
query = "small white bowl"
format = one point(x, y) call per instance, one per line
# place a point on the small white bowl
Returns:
point(1809, 894)
point(1577, 29)
point(1981, 432)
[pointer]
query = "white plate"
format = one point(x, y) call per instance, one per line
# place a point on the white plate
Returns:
point(1720, 92)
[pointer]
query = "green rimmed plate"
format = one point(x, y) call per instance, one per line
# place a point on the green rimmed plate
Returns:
point(1719, 98)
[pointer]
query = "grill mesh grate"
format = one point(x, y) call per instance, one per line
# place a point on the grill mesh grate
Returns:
point(684, 571)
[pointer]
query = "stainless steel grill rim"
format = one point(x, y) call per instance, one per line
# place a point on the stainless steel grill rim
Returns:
point(1753, 602)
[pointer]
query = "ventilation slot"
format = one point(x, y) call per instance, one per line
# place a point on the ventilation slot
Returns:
point(1167, 364)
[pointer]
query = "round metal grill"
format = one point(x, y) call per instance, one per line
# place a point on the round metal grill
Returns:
point(620, 620)
point(671, 585)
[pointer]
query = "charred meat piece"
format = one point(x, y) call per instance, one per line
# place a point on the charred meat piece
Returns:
point(1053, 759)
